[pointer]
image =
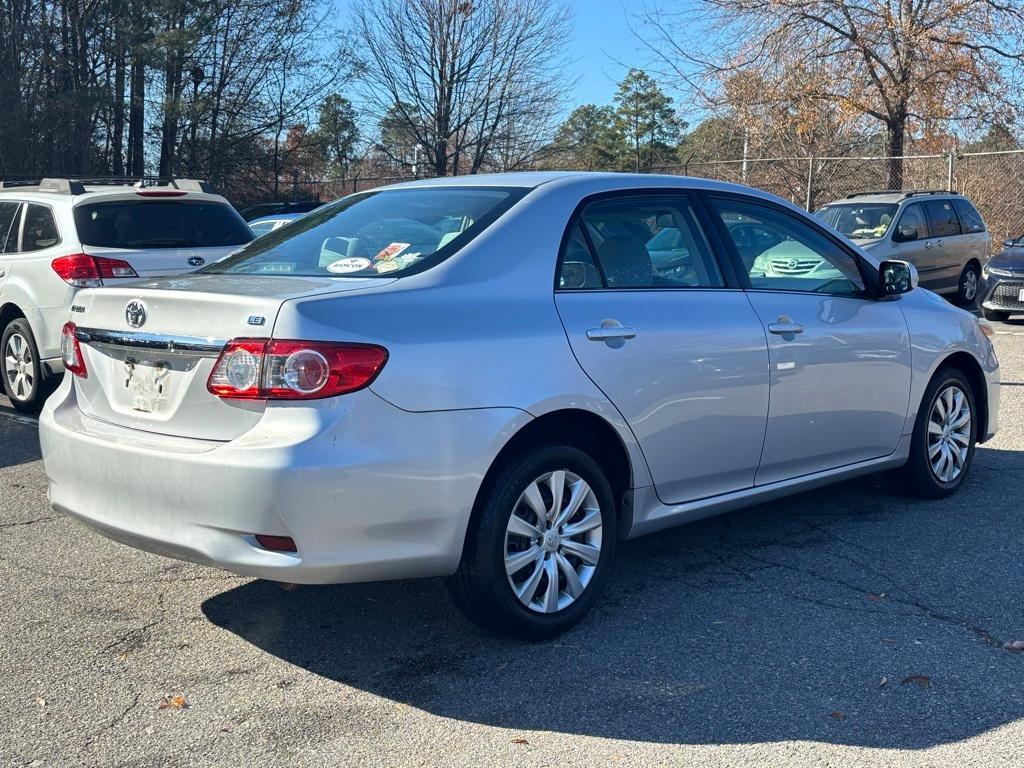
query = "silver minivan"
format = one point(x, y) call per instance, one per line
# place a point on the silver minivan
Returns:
point(939, 232)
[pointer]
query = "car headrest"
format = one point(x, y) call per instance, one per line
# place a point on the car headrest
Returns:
point(625, 262)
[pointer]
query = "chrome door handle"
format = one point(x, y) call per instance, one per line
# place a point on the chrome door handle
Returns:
point(605, 333)
point(784, 326)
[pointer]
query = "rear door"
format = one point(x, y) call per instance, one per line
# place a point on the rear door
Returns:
point(10, 226)
point(840, 360)
point(948, 246)
point(660, 326)
point(160, 235)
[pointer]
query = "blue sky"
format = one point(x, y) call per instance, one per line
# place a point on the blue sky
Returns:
point(597, 42)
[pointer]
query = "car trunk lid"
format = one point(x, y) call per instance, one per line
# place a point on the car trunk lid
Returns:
point(149, 347)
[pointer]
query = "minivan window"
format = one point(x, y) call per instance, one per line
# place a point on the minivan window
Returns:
point(8, 219)
point(942, 219)
point(970, 219)
point(160, 224)
point(859, 220)
point(383, 233)
point(39, 230)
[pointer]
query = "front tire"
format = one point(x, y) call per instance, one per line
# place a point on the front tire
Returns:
point(967, 287)
point(20, 368)
point(942, 447)
point(538, 552)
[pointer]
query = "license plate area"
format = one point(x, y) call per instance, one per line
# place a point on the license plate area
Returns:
point(148, 384)
point(1020, 295)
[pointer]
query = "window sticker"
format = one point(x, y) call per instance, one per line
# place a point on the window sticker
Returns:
point(391, 251)
point(344, 266)
point(383, 267)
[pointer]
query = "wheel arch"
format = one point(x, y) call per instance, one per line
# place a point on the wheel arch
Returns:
point(971, 368)
point(579, 428)
point(9, 311)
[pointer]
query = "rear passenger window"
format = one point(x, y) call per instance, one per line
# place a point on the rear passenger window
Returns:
point(942, 219)
point(8, 222)
point(649, 242)
point(578, 271)
point(970, 219)
point(40, 230)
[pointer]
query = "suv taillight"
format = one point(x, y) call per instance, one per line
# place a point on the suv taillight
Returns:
point(271, 369)
point(84, 271)
point(71, 352)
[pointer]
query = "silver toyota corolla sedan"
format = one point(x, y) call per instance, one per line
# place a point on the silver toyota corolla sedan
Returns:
point(496, 378)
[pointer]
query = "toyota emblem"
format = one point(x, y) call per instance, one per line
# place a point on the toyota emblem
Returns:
point(135, 313)
point(196, 261)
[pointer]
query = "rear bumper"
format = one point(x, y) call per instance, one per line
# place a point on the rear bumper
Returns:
point(366, 490)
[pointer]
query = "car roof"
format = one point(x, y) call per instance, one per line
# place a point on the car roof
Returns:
point(278, 217)
point(589, 182)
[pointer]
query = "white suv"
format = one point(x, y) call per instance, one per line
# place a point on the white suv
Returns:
point(63, 235)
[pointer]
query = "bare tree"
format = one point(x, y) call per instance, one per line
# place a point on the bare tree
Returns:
point(908, 65)
point(463, 76)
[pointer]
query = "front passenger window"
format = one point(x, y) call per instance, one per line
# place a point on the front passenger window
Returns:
point(793, 256)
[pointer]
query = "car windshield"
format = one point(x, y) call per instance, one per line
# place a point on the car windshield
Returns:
point(262, 227)
point(384, 233)
point(159, 224)
point(859, 220)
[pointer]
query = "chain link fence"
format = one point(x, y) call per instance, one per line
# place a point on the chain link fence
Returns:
point(993, 181)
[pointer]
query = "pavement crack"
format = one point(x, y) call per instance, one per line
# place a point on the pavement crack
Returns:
point(135, 637)
point(113, 723)
point(30, 522)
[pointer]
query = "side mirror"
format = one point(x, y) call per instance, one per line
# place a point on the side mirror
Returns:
point(1008, 242)
point(906, 233)
point(897, 277)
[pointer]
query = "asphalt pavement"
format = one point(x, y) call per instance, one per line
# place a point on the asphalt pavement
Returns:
point(848, 626)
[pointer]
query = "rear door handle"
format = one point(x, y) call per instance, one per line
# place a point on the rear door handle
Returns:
point(606, 333)
point(784, 326)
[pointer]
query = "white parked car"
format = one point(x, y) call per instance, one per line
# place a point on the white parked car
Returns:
point(63, 235)
point(495, 379)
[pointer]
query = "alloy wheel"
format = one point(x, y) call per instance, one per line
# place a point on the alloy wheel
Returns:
point(553, 541)
point(949, 433)
point(19, 366)
point(970, 286)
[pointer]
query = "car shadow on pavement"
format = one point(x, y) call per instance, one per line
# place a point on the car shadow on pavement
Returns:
point(19, 439)
point(847, 615)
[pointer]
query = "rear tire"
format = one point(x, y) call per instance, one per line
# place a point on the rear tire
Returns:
point(20, 369)
point(937, 433)
point(967, 287)
point(504, 582)
point(995, 315)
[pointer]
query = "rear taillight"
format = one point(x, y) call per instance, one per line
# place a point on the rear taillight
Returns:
point(84, 271)
point(71, 352)
point(269, 369)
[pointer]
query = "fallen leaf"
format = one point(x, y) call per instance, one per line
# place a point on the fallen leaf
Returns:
point(123, 657)
point(923, 680)
point(883, 681)
point(520, 741)
point(149, 730)
point(174, 702)
point(227, 728)
point(1016, 645)
point(40, 701)
point(837, 715)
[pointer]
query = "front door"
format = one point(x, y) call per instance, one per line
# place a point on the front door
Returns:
point(840, 360)
point(651, 319)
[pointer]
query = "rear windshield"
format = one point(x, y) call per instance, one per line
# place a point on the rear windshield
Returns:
point(859, 220)
point(385, 233)
point(160, 224)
